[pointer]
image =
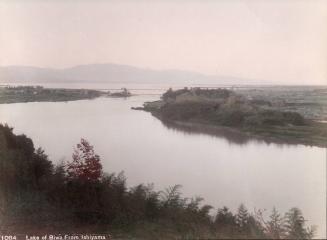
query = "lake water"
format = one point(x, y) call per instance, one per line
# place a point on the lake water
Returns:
point(257, 174)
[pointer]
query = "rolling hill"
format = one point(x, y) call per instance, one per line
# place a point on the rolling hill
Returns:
point(108, 73)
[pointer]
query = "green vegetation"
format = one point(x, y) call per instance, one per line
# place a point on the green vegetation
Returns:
point(40, 94)
point(38, 197)
point(225, 108)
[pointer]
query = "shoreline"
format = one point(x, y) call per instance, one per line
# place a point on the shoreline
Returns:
point(24, 94)
point(234, 135)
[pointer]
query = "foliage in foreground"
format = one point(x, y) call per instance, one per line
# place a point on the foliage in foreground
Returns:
point(35, 193)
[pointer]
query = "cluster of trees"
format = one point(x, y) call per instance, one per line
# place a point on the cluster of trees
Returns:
point(35, 192)
point(289, 226)
point(222, 107)
point(171, 95)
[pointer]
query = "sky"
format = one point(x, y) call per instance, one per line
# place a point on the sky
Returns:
point(276, 41)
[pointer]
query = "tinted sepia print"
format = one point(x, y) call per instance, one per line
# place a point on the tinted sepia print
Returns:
point(163, 119)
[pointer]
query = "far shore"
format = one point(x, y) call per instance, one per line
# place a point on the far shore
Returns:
point(23, 94)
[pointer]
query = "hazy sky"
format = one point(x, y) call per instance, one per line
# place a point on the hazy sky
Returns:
point(279, 41)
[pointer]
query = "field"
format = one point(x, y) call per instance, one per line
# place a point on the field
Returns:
point(310, 102)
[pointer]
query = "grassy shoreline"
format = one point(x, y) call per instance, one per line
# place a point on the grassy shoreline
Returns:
point(23, 94)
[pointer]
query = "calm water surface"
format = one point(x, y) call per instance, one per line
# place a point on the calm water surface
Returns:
point(224, 173)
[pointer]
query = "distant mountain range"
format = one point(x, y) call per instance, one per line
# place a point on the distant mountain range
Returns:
point(109, 73)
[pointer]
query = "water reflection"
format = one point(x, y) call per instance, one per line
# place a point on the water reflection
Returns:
point(228, 134)
point(232, 136)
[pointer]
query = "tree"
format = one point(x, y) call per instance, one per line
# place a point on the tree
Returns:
point(86, 164)
point(42, 168)
point(275, 225)
point(295, 225)
point(242, 216)
point(171, 197)
point(224, 217)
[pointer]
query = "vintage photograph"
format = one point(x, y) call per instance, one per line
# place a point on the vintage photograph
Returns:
point(163, 119)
